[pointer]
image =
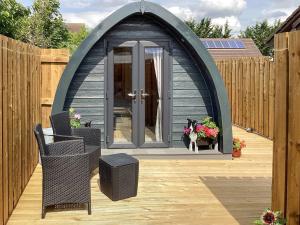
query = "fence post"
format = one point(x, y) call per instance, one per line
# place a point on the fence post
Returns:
point(280, 127)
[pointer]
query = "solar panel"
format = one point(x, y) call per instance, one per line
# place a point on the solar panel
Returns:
point(223, 44)
point(240, 44)
point(205, 44)
point(211, 44)
point(218, 44)
point(232, 43)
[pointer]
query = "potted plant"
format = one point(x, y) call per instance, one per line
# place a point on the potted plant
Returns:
point(74, 118)
point(270, 217)
point(207, 132)
point(237, 145)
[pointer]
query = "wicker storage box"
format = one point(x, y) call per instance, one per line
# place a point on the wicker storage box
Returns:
point(119, 176)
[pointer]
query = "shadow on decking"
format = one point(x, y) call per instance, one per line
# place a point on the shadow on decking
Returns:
point(243, 197)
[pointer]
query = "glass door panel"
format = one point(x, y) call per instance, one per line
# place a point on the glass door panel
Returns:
point(153, 94)
point(121, 94)
point(154, 91)
point(122, 110)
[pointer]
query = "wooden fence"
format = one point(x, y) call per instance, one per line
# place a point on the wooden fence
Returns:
point(21, 81)
point(250, 86)
point(286, 155)
point(53, 64)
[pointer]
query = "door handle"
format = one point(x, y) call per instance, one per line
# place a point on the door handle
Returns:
point(133, 95)
point(143, 94)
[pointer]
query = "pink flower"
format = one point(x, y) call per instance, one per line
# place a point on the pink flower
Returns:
point(199, 128)
point(186, 131)
point(77, 116)
point(213, 132)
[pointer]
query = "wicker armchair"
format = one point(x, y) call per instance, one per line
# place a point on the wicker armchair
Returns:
point(92, 137)
point(66, 172)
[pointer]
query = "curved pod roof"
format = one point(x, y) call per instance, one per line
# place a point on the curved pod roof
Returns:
point(218, 91)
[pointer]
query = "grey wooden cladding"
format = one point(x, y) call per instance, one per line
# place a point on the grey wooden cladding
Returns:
point(90, 68)
point(87, 85)
point(191, 110)
point(189, 85)
point(203, 102)
point(88, 112)
point(182, 119)
point(190, 93)
point(84, 102)
point(81, 77)
point(93, 93)
point(192, 77)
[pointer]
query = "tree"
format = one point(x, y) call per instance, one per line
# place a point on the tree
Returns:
point(46, 25)
point(13, 19)
point(259, 34)
point(77, 37)
point(205, 28)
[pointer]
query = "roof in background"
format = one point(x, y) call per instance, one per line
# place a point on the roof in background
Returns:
point(290, 24)
point(249, 49)
point(74, 27)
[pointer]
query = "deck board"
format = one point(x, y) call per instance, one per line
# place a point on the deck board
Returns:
point(214, 192)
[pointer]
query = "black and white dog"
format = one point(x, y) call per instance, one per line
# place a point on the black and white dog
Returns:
point(193, 135)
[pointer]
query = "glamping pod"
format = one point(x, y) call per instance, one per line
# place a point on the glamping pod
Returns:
point(139, 75)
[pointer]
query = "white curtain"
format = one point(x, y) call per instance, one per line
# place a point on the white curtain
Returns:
point(157, 54)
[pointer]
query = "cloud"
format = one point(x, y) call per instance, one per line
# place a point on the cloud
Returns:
point(206, 8)
point(182, 13)
point(88, 4)
point(233, 22)
point(90, 18)
point(225, 7)
point(276, 14)
point(219, 10)
point(93, 12)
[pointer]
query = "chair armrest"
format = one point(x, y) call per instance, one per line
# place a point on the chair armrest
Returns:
point(66, 147)
point(58, 137)
point(91, 136)
point(66, 170)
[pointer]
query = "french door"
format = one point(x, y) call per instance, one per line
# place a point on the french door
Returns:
point(138, 94)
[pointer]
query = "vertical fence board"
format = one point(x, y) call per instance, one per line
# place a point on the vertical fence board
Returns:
point(5, 128)
point(25, 115)
point(271, 100)
point(280, 132)
point(252, 93)
point(233, 91)
point(266, 98)
point(1, 140)
point(10, 125)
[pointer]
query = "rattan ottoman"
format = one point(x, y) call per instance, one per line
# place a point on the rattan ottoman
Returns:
point(118, 176)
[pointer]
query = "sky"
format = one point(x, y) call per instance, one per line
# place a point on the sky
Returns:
point(238, 13)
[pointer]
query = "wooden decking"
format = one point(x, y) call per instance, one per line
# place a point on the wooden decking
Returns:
point(208, 192)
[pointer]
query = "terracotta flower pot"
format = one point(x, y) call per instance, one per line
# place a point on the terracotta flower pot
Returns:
point(236, 153)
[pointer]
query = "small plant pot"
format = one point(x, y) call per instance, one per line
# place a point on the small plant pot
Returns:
point(236, 154)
